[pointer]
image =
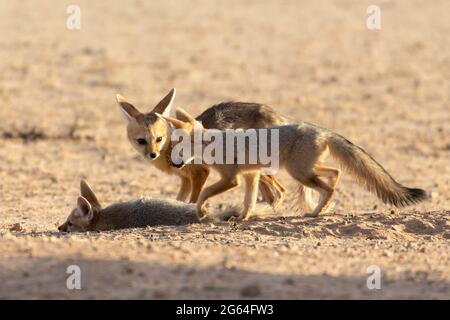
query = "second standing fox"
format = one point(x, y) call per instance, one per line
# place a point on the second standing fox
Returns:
point(302, 151)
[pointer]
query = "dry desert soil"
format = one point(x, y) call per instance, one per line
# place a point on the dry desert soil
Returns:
point(386, 90)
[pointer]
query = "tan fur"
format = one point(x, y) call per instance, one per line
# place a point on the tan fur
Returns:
point(302, 150)
point(225, 115)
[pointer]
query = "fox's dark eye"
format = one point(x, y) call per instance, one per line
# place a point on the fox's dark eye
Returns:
point(159, 139)
point(69, 223)
point(141, 141)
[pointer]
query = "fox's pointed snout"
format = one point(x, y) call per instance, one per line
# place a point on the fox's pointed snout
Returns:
point(153, 155)
point(63, 227)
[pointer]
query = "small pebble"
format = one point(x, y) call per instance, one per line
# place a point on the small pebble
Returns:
point(16, 227)
point(387, 253)
point(251, 291)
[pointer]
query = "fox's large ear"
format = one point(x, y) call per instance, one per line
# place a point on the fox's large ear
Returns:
point(176, 123)
point(163, 107)
point(84, 208)
point(128, 110)
point(87, 193)
point(183, 115)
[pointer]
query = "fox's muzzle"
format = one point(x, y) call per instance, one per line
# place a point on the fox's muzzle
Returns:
point(63, 227)
point(152, 155)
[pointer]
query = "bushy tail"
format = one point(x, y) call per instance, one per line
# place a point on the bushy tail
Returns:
point(371, 174)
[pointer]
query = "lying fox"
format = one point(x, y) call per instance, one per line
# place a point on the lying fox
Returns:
point(302, 151)
point(88, 215)
point(150, 136)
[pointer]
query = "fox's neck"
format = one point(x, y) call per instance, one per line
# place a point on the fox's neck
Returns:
point(163, 161)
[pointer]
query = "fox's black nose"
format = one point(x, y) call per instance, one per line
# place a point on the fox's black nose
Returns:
point(153, 155)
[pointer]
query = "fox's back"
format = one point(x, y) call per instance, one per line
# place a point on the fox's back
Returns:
point(240, 115)
point(146, 212)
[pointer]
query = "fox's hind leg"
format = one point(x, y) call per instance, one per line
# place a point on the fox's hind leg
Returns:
point(325, 192)
point(312, 180)
point(333, 176)
point(266, 191)
point(305, 198)
point(302, 167)
point(272, 190)
point(281, 192)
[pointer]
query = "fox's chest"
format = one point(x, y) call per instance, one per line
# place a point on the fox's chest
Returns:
point(163, 163)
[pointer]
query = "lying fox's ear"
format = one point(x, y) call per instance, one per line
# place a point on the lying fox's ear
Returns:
point(183, 115)
point(84, 208)
point(128, 110)
point(177, 124)
point(163, 107)
point(87, 193)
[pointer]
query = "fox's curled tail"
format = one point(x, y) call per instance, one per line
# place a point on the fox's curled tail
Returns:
point(371, 174)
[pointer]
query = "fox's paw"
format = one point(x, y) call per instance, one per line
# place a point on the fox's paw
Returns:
point(329, 207)
point(243, 217)
point(235, 218)
point(205, 218)
point(201, 214)
point(311, 214)
point(277, 204)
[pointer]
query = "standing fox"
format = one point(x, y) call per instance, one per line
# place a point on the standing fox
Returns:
point(88, 214)
point(150, 136)
point(302, 151)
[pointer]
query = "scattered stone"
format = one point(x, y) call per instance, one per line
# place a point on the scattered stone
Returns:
point(157, 294)
point(16, 227)
point(251, 291)
point(128, 270)
point(387, 253)
point(419, 226)
point(410, 245)
point(290, 281)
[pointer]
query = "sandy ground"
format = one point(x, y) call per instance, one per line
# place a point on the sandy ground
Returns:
point(388, 91)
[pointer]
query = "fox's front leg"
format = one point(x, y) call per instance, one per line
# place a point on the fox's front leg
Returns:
point(251, 193)
point(185, 189)
point(224, 184)
point(198, 179)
